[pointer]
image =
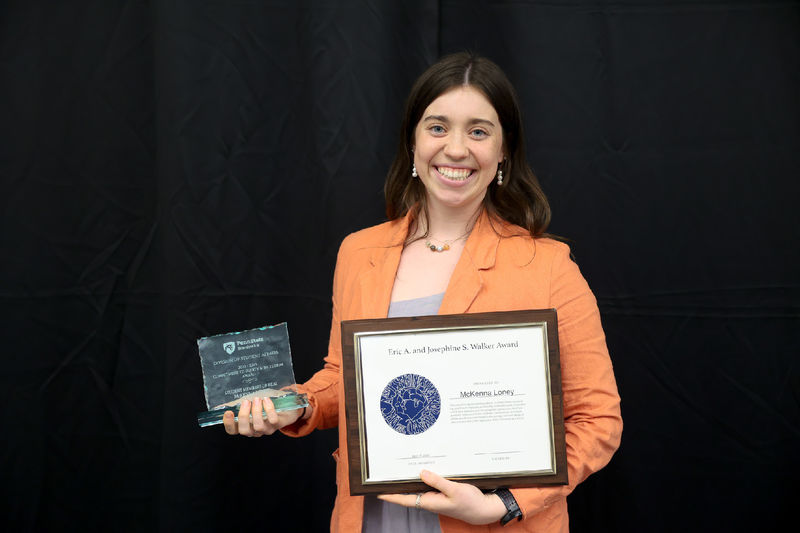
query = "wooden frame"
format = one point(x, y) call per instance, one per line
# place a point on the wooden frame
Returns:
point(357, 332)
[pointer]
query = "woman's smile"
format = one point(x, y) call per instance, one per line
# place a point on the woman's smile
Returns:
point(454, 173)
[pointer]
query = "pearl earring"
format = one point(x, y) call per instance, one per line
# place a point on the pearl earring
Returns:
point(413, 171)
point(499, 177)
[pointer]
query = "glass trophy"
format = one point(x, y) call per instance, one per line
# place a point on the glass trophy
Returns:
point(245, 365)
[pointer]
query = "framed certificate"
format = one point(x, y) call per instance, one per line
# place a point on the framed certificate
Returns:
point(474, 398)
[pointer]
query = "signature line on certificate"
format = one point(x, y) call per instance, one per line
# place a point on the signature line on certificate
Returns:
point(495, 453)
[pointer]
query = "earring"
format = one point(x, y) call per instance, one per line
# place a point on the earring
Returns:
point(413, 171)
point(499, 177)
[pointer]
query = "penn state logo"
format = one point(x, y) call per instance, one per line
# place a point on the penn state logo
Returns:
point(229, 347)
point(410, 404)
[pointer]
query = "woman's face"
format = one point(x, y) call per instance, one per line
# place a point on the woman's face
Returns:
point(458, 144)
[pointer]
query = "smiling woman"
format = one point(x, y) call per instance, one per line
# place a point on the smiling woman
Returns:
point(458, 148)
point(465, 235)
point(516, 195)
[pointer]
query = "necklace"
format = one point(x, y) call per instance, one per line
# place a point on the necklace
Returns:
point(445, 244)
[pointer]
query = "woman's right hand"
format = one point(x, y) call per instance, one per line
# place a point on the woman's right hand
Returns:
point(258, 426)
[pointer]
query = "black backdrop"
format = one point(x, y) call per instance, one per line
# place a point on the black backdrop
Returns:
point(172, 169)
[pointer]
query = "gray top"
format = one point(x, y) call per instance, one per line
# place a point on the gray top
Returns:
point(427, 305)
point(383, 517)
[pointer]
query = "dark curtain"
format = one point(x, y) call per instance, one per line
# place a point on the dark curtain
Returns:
point(173, 169)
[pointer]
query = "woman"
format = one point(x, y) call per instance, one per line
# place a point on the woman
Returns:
point(466, 234)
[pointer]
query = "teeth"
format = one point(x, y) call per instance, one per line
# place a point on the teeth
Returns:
point(455, 173)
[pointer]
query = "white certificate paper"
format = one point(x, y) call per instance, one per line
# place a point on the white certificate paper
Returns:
point(461, 402)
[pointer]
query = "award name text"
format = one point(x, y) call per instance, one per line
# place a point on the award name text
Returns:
point(447, 348)
point(238, 358)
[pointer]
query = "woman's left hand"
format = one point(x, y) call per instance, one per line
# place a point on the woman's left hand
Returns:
point(459, 500)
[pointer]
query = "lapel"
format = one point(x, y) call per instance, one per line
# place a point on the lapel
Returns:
point(480, 253)
point(377, 280)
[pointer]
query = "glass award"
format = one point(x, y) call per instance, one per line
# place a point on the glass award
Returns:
point(244, 365)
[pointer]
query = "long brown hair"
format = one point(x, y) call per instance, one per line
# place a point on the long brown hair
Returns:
point(520, 200)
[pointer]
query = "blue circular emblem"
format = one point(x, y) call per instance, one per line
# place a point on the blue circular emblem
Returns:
point(410, 404)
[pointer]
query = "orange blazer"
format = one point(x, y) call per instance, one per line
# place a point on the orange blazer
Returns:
point(501, 269)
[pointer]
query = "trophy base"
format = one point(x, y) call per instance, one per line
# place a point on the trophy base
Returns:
point(287, 402)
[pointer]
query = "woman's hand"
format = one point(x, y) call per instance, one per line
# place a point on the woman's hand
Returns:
point(459, 500)
point(258, 425)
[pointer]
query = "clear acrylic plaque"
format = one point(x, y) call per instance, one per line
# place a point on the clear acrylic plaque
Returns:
point(244, 365)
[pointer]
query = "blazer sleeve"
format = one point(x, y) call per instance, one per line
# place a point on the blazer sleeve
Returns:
point(324, 387)
point(592, 419)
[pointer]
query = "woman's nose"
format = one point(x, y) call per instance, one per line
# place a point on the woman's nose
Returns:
point(456, 148)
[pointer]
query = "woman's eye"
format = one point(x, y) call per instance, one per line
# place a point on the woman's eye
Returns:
point(479, 133)
point(436, 129)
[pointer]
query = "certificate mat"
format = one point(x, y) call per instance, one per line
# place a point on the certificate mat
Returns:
point(473, 397)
